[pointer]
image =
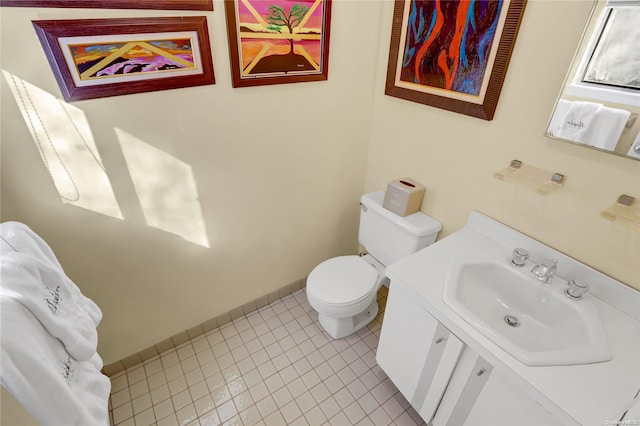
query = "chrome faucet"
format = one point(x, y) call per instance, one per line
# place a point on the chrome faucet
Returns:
point(545, 271)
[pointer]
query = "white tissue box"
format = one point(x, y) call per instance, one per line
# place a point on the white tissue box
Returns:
point(403, 196)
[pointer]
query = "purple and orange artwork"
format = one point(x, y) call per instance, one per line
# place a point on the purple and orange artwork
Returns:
point(278, 38)
point(99, 60)
point(96, 58)
point(448, 43)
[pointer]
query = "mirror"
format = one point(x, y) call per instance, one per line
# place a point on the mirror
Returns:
point(599, 103)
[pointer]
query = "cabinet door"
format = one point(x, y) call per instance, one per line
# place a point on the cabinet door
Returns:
point(416, 351)
point(479, 395)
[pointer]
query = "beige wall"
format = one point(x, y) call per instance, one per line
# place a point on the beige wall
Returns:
point(274, 206)
point(455, 156)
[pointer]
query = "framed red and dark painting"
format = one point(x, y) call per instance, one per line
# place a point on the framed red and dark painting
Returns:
point(452, 54)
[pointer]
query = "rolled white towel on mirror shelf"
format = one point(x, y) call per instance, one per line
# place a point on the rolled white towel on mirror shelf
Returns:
point(607, 127)
point(577, 122)
point(558, 115)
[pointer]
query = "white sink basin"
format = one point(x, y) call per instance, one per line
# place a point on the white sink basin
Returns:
point(535, 322)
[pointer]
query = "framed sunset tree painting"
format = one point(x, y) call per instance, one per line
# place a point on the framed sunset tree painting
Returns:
point(452, 54)
point(278, 41)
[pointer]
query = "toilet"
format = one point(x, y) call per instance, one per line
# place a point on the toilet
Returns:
point(343, 290)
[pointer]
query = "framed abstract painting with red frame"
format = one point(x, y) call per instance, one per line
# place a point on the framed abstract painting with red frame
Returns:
point(452, 54)
point(278, 41)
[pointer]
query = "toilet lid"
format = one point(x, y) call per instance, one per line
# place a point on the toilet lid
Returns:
point(342, 280)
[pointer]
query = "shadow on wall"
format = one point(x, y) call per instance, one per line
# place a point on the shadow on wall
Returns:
point(164, 185)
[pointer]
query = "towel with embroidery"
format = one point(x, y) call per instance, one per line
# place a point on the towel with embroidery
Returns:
point(33, 276)
point(576, 124)
point(51, 385)
point(18, 237)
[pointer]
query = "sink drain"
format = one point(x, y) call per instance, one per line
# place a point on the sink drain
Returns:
point(511, 320)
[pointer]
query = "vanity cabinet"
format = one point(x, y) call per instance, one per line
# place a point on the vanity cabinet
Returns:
point(417, 352)
point(481, 395)
point(446, 381)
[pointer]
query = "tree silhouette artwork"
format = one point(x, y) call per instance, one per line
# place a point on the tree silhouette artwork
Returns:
point(278, 18)
point(279, 41)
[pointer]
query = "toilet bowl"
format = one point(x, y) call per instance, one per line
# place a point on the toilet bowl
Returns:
point(344, 292)
point(344, 289)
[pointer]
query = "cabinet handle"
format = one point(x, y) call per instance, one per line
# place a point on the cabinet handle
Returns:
point(471, 391)
point(439, 340)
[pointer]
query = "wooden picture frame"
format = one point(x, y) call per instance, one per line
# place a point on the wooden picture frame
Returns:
point(278, 41)
point(115, 4)
point(94, 58)
point(447, 55)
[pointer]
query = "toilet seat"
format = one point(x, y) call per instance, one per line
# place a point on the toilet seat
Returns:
point(342, 281)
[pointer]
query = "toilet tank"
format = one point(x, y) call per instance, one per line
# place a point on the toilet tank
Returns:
point(389, 237)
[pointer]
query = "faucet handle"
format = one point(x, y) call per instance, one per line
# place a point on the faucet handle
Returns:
point(576, 289)
point(520, 255)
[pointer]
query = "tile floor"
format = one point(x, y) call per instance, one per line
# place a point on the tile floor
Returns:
point(275, 366)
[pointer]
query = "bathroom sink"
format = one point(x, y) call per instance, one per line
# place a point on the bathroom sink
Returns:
point(533, 321)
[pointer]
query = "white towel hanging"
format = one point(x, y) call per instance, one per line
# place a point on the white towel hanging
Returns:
point(576, 124)
point(54, 388)
point(607, 127)
point(48, 358)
